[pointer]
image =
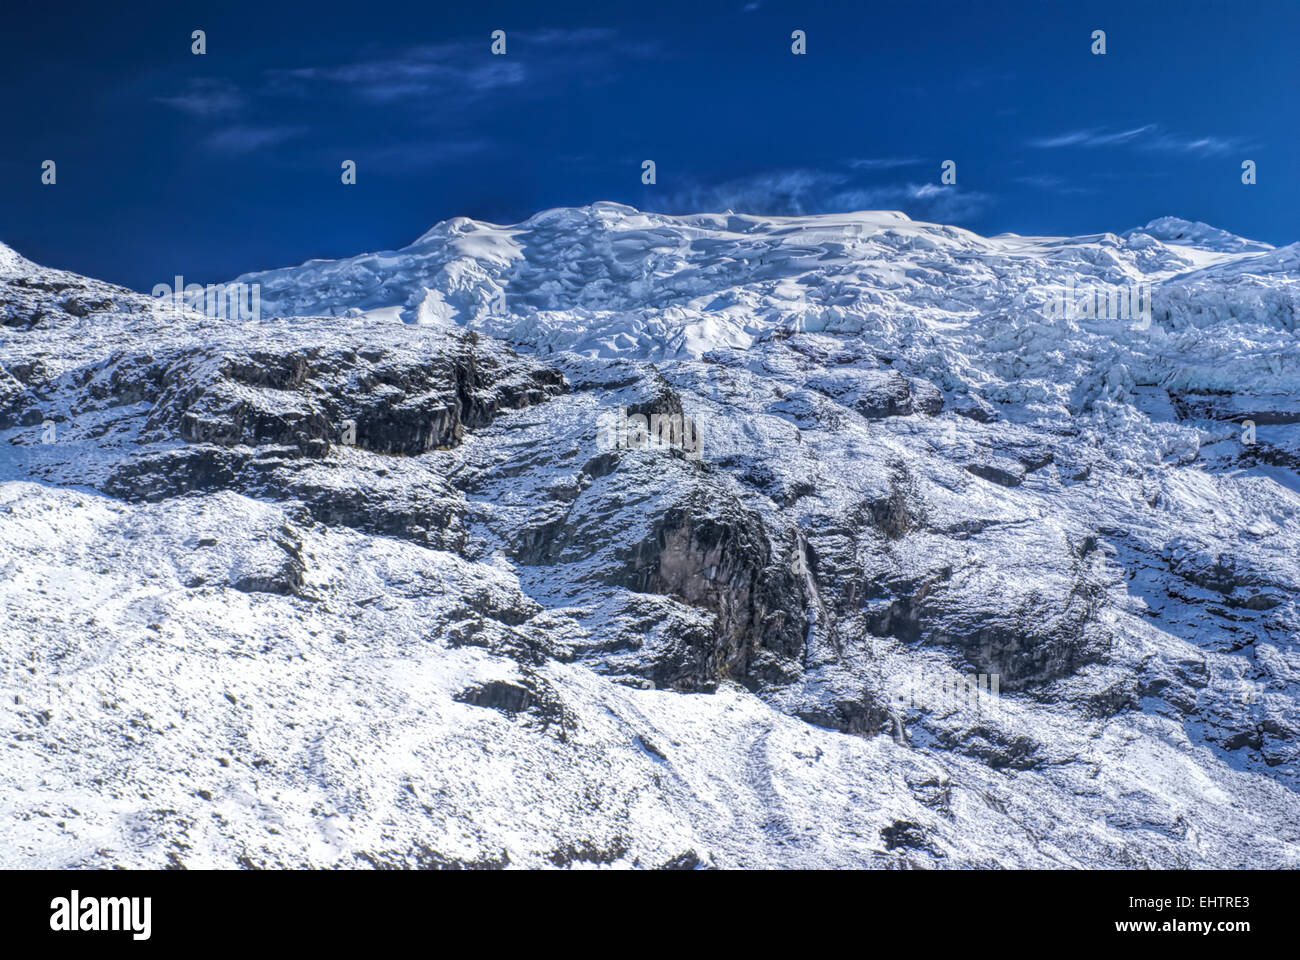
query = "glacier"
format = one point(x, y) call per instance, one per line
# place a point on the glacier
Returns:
point(954, 580)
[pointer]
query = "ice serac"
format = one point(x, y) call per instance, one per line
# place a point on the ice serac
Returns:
point(1174, 230)
point(712, 540)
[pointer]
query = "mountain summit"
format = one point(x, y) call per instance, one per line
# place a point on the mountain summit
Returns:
point(711, 540)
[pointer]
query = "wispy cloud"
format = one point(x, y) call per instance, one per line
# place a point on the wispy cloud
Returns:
point(451, 85)
point(426, 72)
point(457, 74)
point(884, 163)
point(1092, 138)
point(246, 139)
point(802, 191)
point(1146, 137)
point(1209, 146)
point(922, 201)
point(779, 193)
point(204, 97)
point(1052, 184)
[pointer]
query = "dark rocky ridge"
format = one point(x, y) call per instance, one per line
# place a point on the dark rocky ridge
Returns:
point(870, 498)
point(719, 556)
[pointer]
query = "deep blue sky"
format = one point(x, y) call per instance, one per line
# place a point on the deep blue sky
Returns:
point(212, 165)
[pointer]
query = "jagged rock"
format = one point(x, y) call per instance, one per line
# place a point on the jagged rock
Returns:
point(380, 401)
point(492, 638)
point(977, 409)
point(906, 834)
point(530, 695)
point(881, 393)
point(1235, 407)
point(999, 470)
point(719, 556)
point(282, 574)
point(864, 715)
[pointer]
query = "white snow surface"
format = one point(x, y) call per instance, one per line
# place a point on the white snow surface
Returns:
point(156, 714)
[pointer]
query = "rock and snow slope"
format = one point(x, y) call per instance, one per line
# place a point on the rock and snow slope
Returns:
point(335, 589)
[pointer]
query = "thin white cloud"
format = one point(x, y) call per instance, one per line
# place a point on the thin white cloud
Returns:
point(415, 77)
point(802, 191)
point(1207, 146)
point(921, 201)
point(246, 139)
point(205, 97)
point(884, 163)
point(458, 73)
point(1052, 184)
point(780, 193)
point(1092, 138)
point(1146, 137)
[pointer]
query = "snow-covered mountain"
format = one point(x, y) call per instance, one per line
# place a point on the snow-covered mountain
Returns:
point(396, 578)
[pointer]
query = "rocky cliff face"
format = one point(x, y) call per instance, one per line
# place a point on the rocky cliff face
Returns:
point(929, 578)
